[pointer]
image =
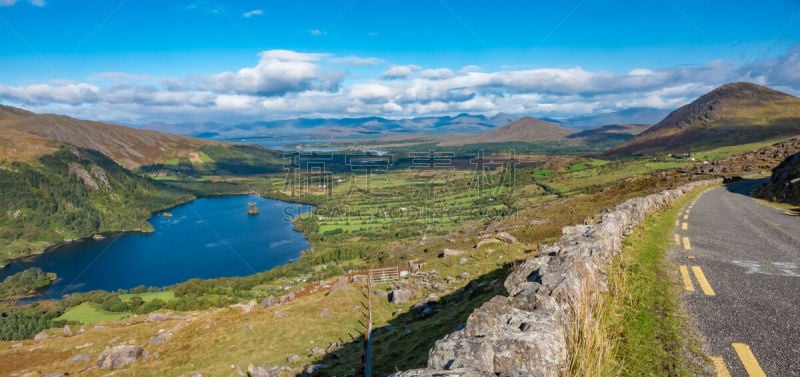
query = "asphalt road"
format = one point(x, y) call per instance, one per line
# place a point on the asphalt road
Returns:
point(748, 306)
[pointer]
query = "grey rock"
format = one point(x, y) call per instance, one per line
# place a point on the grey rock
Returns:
point(293, 359)
point(158, 317)
point(42, 335)
point(119, 356)
point(267, 302)
point(463, 261)
point(267, 371)
point(450, 253)
point(400, 296)
point(317, 351)
point(280, 315)
point(464, 276)
point(162, 337)
point(313, 369)
point(54, 374)
point(80, 358)
point(324, 313)
point(507, 238)
point(67, 331)
point(340, 284)
point(17, 346)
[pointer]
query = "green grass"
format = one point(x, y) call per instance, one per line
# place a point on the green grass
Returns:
point(205, 158)
point(172, 162)
point(714, 154)
point(90, 313)
point(647, 331)
point(147, 297)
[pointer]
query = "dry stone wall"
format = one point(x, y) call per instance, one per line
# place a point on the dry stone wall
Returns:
point(527, 332)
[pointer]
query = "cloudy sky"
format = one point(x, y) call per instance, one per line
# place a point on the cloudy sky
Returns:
point(136, 61)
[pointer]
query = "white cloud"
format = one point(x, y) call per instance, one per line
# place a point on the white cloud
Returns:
point(9, 3)
point(399, 72)
point(254, 12)
point(277, 72)
point(289, 84)
point(437, 74)
point(317, 32)
point(782, 71)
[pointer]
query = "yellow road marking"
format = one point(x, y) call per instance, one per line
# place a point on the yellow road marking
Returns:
point(701, 280)
point(687, 280)
point(688, 210)
point(686, 217)
point(690, 257)
point(685, 226)
point(748, 360)
point(719, 366)
point(677, 222)
point(686, 244)
point(677, 239)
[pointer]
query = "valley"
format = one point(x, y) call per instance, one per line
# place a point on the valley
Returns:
point(466, 211)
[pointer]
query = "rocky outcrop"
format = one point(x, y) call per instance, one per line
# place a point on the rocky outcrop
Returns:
point(119, 356)
point(784, 185)
point(527, 333)
point(759, 161)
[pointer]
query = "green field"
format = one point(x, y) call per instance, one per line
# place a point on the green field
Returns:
point(90, 313)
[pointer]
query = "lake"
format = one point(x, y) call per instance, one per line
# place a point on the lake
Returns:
point(206, 238)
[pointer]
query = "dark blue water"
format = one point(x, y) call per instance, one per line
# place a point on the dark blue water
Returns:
point(206, 238)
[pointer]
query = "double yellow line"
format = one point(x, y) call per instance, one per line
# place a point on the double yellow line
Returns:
point(699, 276)
point(698, 272)
point(747, 358)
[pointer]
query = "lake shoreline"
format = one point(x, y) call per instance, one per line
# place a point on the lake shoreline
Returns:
point(289, 216)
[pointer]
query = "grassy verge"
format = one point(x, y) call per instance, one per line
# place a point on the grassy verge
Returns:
point(640, 328)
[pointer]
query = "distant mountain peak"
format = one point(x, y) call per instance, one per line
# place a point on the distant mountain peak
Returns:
point(732, 114)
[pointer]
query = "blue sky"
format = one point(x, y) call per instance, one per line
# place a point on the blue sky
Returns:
point(142, 60)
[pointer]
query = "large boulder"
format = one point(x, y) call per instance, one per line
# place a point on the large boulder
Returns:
point(400, 296)
point(267, 302)
point(505, 237)
point(450, 253)
point(119, 357)
point(268, 371)
point(42, 335)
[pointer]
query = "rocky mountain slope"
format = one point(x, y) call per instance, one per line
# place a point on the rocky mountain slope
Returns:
point(758, 162)
point(784, 185)
point(27, 136)
point(733, 114)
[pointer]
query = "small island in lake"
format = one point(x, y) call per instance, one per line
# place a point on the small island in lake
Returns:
point(252, 209)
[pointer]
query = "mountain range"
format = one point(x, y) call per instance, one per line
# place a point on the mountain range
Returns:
point(371, 127)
